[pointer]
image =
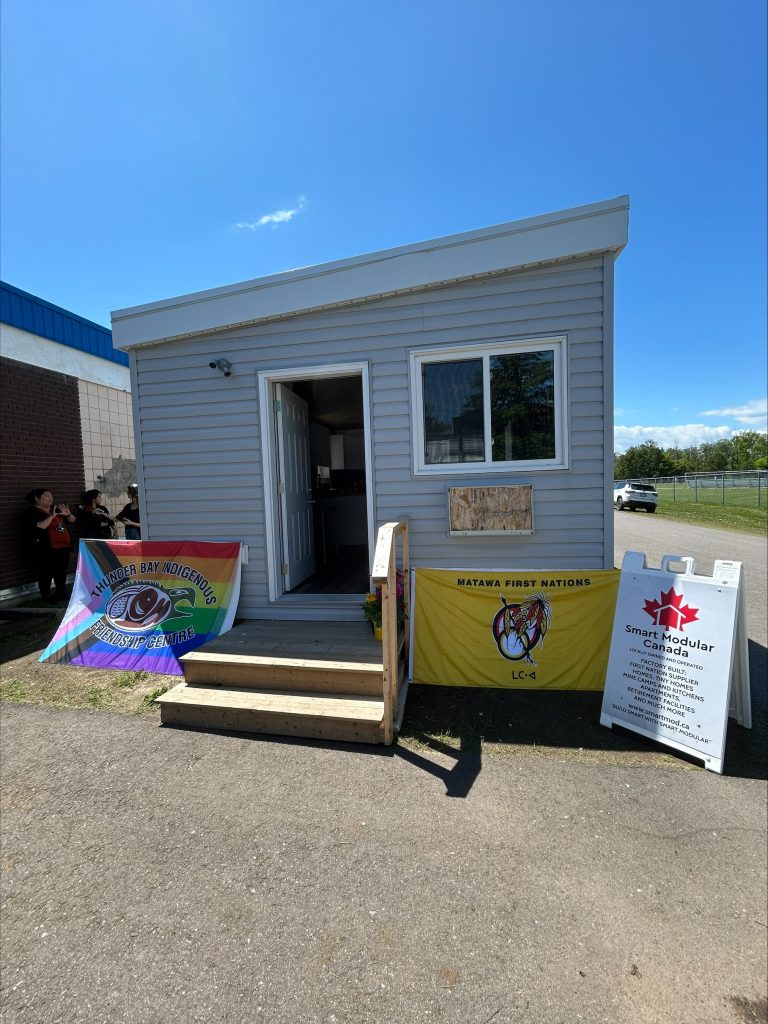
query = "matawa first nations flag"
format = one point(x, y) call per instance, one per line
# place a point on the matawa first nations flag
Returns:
point(523, 630)
point(142, 604)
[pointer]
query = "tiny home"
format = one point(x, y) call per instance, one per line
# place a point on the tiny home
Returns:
point(296, 413)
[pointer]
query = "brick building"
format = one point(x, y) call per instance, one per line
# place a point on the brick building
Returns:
point(65, 416)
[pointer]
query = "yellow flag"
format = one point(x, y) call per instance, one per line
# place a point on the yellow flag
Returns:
point(524, 630)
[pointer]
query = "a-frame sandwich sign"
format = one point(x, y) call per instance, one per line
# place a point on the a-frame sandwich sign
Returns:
point(678, 665)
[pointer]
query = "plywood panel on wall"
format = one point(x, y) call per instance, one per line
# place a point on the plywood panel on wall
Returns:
point(490, 510)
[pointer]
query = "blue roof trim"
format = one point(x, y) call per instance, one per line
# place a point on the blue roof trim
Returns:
point(36, 316)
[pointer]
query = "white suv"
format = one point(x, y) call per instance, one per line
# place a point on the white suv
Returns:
point(627, 494)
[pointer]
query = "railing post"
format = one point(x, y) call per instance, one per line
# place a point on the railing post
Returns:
point(384, 575)
point(406, 592)
point(386, 633)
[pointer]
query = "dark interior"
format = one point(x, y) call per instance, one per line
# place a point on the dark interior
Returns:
point(337, 453)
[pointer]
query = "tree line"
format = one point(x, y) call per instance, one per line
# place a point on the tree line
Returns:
point(744, 451)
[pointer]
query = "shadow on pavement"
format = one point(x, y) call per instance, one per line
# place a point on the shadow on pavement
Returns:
point(758, 676)
point(459, 777)
point(21, 634)
point(458, 721)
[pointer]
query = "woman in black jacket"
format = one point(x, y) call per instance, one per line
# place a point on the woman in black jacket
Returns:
point(50, 541)
point(93, 519)
point(130, 515)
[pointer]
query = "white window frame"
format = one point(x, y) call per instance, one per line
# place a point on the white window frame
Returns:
point(558, 345)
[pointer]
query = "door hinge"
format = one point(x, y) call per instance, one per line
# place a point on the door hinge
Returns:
point(284, 568)
point(278, 405)
point(281, 488)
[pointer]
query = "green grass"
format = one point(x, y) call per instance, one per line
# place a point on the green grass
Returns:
point(127, 679)
point(735, 497)
point(721, 517)
point(151, 697)
point(13, 689)
point(704, 506)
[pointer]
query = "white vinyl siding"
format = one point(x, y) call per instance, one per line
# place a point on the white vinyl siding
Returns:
point(200, 434)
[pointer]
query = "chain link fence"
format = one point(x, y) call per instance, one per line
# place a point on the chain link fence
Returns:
point(745, 488)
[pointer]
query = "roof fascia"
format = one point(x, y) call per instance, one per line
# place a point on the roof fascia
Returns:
point(597, 228)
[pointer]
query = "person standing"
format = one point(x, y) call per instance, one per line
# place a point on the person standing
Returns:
point(50, 541)
point(130, 516)
point(93, 518)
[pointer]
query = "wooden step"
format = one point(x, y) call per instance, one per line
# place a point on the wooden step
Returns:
point(281, 713)
point(317, 657)
point(273, 672)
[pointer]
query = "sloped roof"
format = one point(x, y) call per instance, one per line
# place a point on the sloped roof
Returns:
point(36, 316)
point(583, 230)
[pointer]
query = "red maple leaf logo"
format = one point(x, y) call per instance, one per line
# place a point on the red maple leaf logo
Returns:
point(670, 611)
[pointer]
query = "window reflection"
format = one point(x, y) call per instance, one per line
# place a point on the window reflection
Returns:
point(523, 406)
point(453, 411)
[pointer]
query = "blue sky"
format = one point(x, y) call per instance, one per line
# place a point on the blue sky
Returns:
point(159, 147)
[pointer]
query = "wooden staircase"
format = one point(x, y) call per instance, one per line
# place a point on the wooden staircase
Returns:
point(320, 680)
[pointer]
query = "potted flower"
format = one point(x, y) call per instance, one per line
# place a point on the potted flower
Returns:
point(372, 606)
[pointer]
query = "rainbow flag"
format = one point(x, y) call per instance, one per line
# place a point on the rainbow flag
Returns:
point(142, 604)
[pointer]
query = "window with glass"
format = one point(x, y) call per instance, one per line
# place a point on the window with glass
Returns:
point(494, 407)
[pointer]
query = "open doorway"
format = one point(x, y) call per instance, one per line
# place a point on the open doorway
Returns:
point(321, 484)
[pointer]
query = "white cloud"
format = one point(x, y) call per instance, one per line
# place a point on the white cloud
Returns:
point(278, 217)
point(753, 415)
point(684, 435)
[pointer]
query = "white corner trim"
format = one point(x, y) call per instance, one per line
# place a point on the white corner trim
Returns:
point(608, 400)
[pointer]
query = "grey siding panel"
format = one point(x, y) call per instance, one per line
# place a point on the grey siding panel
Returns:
point(385, 491)
point(234, 448)
point(200, 432)
point(202, 460)
point(587, 423)
point(436, 504)
point(589, 409)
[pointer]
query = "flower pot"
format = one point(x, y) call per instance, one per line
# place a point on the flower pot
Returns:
point(377, 632)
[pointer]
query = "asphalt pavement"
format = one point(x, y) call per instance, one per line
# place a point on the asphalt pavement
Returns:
point(152, 874)
point(157, 874)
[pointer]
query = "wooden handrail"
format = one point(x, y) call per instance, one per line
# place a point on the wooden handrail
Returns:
point(384, 575)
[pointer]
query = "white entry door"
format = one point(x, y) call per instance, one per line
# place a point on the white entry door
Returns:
point(294, 487)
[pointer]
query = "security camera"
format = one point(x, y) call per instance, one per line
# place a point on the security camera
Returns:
point(222, 364)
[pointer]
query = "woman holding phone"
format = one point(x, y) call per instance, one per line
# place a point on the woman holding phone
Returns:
point(50, 540)
point(93, 518)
